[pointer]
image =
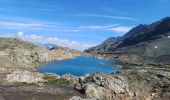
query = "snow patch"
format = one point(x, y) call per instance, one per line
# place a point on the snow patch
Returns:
point(155, 47)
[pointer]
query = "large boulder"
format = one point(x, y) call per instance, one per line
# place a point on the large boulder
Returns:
point(104, 87)
point(21, 76)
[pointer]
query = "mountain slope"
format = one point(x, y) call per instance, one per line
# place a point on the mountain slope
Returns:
point(16, 53)
point(145, 42)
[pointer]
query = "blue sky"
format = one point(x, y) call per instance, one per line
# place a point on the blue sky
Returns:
point(77, 24)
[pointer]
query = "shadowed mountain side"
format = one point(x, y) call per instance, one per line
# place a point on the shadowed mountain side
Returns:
point(145, 42)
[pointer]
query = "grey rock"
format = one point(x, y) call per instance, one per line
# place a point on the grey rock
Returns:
point(105, 87)
point(79, 98)
point(24, 76)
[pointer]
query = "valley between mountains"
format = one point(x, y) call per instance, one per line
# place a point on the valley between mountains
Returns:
point(142, 54)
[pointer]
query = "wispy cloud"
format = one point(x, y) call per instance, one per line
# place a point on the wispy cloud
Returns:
point(34, 25)
point(38, 25)
point(9, 24)
point(7, 35)
point(98, 26)
point(121, 29)
point(114, 28)
point(107, 16)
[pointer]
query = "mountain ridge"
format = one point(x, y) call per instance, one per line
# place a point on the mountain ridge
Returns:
point(146, 42)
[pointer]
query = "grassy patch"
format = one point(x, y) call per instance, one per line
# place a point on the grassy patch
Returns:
point(26, 84)
point(49, 77)
point(52, 80)
point(59, 82)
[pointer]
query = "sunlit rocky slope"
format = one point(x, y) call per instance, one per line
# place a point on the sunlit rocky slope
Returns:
point(18, 53)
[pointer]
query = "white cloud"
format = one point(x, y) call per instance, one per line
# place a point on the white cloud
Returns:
point(34, 37)
point(121, 29)
point(54, 40)
point(7, 35)
point(107, 16)
point(31, 24)
point(20, 34)
point(36, 25)
point(67, 43)
point(10, 24)
point(50, 39)
point(59, 28)
point(115, 28)
point(97, 27)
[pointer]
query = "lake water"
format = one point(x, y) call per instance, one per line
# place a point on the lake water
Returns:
point(79, 66)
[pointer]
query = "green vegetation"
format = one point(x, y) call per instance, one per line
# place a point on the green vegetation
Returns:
point(49, 77)
point(52, 80)
point(26, 84)
point(59, 82)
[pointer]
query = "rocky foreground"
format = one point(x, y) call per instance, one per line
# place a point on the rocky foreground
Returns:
point(130, 84)
point(19, 79)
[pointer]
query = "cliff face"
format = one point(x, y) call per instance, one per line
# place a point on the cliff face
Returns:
point(18, 53)
point(104, 47)
point(144, 42)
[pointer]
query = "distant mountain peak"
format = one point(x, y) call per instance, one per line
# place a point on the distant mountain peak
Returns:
point(47, 46)
point(136, 29)
point(165, 18)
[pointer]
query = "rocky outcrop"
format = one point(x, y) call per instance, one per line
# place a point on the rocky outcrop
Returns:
point(24, 76)
point(104, 87)
point(104, 47)
point(93, 86)
point(60, 54)
point(79, 98)
point(20, 52)
point(134, 84)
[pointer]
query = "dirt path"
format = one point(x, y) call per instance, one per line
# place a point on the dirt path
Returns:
point(11, 92)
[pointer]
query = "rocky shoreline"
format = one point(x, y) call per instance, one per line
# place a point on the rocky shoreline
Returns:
point(129, 84)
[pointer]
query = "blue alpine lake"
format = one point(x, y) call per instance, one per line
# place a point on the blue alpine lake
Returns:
point(78, 66)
